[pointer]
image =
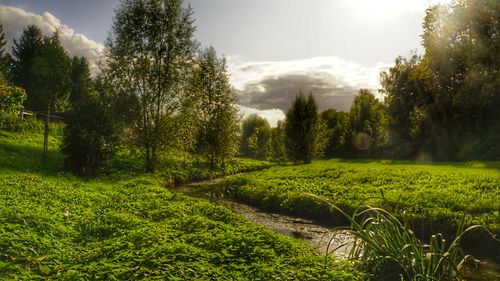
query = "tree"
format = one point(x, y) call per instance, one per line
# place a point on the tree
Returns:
point(259, 128)
point(305, 133)
point(278, 138)
point(444, 102)
point(339, 133)
point(218, 133)
point(51, 63)
point(151, 50)
point(81, 82)
point(90, 136)
point(24, 52)
point(368, 121)
point(3, 55)
point(462, 49)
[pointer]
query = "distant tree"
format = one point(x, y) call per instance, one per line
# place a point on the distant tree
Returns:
point(369, 122)
point(81, 81)
point(305, 132)
point(51, 64)
point(253, 143)
point(407, 88)
point(218, 132)
point(260, 129)
point(278, 139)
point(151, 50)
point(3, 62)
point(2, 41)
point(25, 51)
point(339, 133)
point(90, 136)
point(320, 138)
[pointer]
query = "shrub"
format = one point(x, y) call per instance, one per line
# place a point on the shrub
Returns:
point(389, 249)
point(11, 103)
point(90, 137)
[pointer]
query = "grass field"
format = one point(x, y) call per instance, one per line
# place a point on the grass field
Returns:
point(433, 197)
point(54, 225)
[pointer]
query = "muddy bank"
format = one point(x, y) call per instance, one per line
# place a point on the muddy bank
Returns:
point(323, 238)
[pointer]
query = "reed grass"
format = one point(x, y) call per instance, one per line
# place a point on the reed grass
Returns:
point(389, 250)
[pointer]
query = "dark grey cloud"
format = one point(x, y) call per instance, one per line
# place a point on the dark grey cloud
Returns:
point(279, 91)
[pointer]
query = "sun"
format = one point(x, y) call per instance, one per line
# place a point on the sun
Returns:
point(388, 8)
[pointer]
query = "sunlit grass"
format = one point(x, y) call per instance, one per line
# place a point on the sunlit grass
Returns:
point(434, 196)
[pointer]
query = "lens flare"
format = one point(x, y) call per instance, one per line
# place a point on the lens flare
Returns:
point(361, 141)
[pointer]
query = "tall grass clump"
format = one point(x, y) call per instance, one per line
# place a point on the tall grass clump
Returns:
point(389, 250)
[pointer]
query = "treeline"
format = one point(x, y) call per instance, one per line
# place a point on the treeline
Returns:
point(306, 134)
point(158, 91)
point(443, 105)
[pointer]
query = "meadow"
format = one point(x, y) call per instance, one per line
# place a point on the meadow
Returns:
point(431, 197)
point(54, 225)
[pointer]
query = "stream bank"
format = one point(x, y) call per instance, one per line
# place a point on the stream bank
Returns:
point(327, 239)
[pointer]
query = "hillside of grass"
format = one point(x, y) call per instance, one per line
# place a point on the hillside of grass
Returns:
point(54, 225)
point(433, 197)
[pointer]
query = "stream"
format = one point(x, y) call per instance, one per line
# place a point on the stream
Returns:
point(325, 239)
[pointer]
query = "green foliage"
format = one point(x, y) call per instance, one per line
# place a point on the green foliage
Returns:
point(11, 104)
point(278, 138)
point(3, 56)
point(305, 138)
point(434, 197)
point(339, 133)
point(445, 102)
point(151, 47)
point(90, 137)
point(11, 98)
point(24, 52)
point(81, 82)
point(255, 137)
point(56, 226)
point(368, 122)
point(390, 250)
point(39, 59)
point(51, 63)
point(218, 132)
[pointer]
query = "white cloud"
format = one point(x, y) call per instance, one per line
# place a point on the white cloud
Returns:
point(14, 20)
point(347, 73)
point(271, 115)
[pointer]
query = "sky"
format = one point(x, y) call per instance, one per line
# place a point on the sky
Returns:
point(274, 48)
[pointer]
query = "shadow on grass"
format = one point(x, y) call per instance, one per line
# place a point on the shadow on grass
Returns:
point(23, 158)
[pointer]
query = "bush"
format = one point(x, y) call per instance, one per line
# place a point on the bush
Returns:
point(90, 137)
point(11, 103)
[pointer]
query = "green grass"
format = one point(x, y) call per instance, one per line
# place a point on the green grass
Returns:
point(390, 250)
point(56, 226)
point(434, 197)
point(177, 167)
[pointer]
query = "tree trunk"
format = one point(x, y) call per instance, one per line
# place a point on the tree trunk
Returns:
point(151, 160)
point(46, 135)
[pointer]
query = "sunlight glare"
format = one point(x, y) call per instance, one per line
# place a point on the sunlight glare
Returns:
point(387, 8)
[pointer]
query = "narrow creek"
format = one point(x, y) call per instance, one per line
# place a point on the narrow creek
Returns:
point(326, 239)
point(323, 238)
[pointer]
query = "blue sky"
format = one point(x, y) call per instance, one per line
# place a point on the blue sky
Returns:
point(274, 47)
